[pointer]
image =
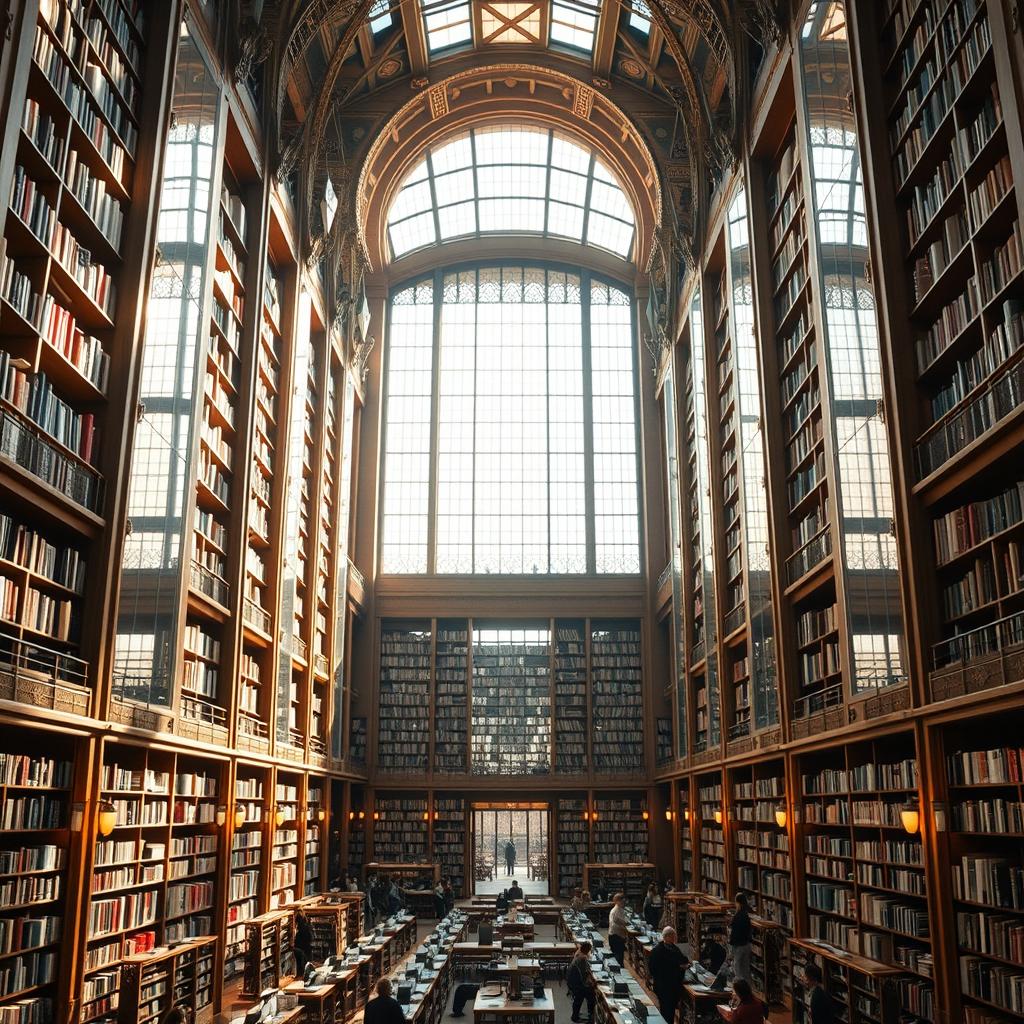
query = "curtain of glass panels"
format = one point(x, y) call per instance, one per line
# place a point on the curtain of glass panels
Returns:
point(162, 461)
point(532, 374)
point(863, 474)
point(761, 638)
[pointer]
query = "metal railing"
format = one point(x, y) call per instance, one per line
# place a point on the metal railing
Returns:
point(209, 583)
point(256, 616)
point(814, 703)
point(990, 639)
point(813, 553)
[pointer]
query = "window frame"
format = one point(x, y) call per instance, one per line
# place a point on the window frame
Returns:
point(587, 276)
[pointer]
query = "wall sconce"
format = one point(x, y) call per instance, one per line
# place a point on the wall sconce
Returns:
point(106, 818)
point(668, 813)
point(586, 815)
point(437, 815)
point(593, 815)
point(781, 817)
point(718, 816)
point(911, 819)
point(279, 815)
point(239, 816)
point(222, 816)
point(376, 815)
point(320, 814)
point(426, 815)
point(686, 813)
point(645, 815)
point(362, 814)
point(939, 815)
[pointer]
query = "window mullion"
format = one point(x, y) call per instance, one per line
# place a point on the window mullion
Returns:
point(547, 189)
point(435, 415)
point(476, 196)
point(588, 424)
point(586, 211)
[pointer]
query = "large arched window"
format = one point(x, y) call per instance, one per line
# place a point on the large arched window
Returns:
point(511, 425)
point(511, 179)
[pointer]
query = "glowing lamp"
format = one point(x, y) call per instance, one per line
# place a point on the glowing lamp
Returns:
point(106, 820)
point(718, 817)
point(279, 816)
point(239, 817)
point(781, 817)
point(911, 819)
point(668, 814)
point(222, 815)
point(645, 816)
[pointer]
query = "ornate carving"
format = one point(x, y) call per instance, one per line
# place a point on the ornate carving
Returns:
point(289, 156)
point(438, 101)
point(361, 357)
point(255, 46)
point(583, 102)
point(760, 19)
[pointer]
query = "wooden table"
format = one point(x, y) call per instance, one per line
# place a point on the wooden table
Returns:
point(499, 1009)
point(473, 952)
point(522, 926)
point(319, 1002)
point(699, 1002)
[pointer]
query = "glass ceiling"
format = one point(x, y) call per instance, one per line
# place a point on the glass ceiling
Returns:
point(512, 179)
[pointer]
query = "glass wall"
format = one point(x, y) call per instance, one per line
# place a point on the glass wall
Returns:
point(529, 374)
point(162, 466)
point(668, 405)
point(863, 474)
point(756, 525)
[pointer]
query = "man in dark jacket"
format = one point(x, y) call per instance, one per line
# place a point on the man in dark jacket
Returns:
point(580, 980)
point(667, 964)
point(740, 937)
point(383, 1008)
point(515, 891)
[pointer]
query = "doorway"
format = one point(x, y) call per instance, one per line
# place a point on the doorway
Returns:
point(527, 827)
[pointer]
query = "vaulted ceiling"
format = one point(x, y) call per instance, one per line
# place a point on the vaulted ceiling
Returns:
point(340, 70)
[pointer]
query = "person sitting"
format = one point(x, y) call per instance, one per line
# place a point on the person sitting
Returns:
point(516, 891)
point(384, 1008)
point(439, 900)
point(746, 1007)
point(713, 954)
point(653, 905)
point(302, 943)
point(580, 980)
point(823, 1009)
point(463, 994)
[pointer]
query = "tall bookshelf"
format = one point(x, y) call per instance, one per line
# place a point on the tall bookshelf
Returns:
point(511, 700)
point(570, 709)
point(249, 861)
point(356, 850)
point(403, 736)
point(258, 667)
point(621, 832)
point(313, 829)
point(448, 832)
point(983, 764)
point(684, 821)
point(70, 231)
point(865, 879)
point(286, 837)
point(572, 849)
point(711, 833)
point(617, 705)
point(400, 830)
point(451, 695)
point(36, 796)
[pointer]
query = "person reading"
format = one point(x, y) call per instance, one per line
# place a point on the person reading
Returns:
point(746, 1008)
point(667, 964)
point(581, 984)
point(384, 1008)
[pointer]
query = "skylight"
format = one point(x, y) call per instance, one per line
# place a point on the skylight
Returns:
point(380, 16)
point(510, 22)
point(513, 179)
point(574, 22)
point(640, 17)
point(448, 23)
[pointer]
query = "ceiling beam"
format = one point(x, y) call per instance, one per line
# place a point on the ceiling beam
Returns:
point(604, 39)
point(415, 36)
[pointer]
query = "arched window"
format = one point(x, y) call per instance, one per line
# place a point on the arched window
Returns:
point(510, 425)
point(509, 180)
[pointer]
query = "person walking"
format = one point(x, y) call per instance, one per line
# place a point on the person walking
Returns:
point(581, 984)
point(668, 964)
point(653, 904)
point(510, 857)
point(618, 928)
point(740, 936)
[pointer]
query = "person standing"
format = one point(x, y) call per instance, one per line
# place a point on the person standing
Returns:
point(384, 1008)
point(819, 1002)
point(618, 928)
point(740, 935)
point(449, 896)
point(302, 944)
point(510, 857)
point(668, 964)
point(439, 900)
point(653, 906)
point(580, 980)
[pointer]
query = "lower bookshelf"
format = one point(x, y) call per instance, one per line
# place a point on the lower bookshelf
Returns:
point(154, 982)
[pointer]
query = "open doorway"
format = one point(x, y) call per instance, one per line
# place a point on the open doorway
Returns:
point(516, 835)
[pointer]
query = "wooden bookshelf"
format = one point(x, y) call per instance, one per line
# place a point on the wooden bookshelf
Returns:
point(684, 822)
point(249, 862)
point(448, 834)
point(572, 849)
point(616, 697)
point(864, 874)
point(711, 835)
point(154, 981)
point(621, 833)
point(571, 697)
point(270, 952)
point(37, 792)
point(403, 736)
point(286, 839)
point(313, 838)
point(401, 829)
point(451, 695)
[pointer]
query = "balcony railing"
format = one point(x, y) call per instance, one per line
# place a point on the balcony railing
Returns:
point(814, 703)
point(735, 618)
point(196, 710)
point(43, 677)
point(208, 583)
point(255, 616)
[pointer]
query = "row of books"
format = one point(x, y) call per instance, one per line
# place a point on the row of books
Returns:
point(964, 528)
